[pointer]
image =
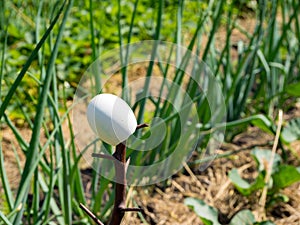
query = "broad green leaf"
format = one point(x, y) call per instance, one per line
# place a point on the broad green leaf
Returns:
point(237, 180)
point(285, 176)
point(244, 187)
point(244, 217)
point(293, 89)
point(264, 155)
point(208, 214)
point(291, 132)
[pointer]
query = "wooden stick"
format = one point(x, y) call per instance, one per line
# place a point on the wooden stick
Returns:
point(120, 185)
point(120, 188)
point(141, 126)
point(119, 159)
point(92, 215)
point(263, 198)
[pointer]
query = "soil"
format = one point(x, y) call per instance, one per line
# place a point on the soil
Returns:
point(165, 206)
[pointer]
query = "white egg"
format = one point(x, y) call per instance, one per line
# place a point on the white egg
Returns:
point(111, 118)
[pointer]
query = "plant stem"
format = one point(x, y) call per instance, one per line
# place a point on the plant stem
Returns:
point(120, 188)
point(119, 158)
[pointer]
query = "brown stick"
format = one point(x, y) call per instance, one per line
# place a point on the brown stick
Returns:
point(87, 211)
point(120, 186)
point(141, 126)
point(263, 198)
point(119, 158)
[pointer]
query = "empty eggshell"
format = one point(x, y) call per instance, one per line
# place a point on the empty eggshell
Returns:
point(111, 118)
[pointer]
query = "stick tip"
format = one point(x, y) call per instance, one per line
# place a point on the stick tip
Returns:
point(139, 126)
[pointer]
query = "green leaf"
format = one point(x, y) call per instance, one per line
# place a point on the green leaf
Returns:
point(207, 214)
point(244, 187)
point(31, 58)
point(237, 180)
point(265, 223)
point(263, 123)
point(4, 219)
point(244, 217)
point(259, 120)
point(264, 155)
point(293, 89)
point(4, 180)
point(32, 155)
point(286, 176)
point(291, 132)
point(277, 198)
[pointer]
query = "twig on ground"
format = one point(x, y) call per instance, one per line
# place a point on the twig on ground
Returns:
point(90, 214)
point(226, 154)
point(263, 198)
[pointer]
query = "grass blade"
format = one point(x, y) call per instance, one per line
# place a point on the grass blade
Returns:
point(125, 94)
point(216, 19)
point(140, 117)
point(34, 142)
point(4, 219)
point(28, 63)
point(5, 183)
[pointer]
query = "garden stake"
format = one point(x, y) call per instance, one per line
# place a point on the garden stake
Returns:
point(119, 158)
